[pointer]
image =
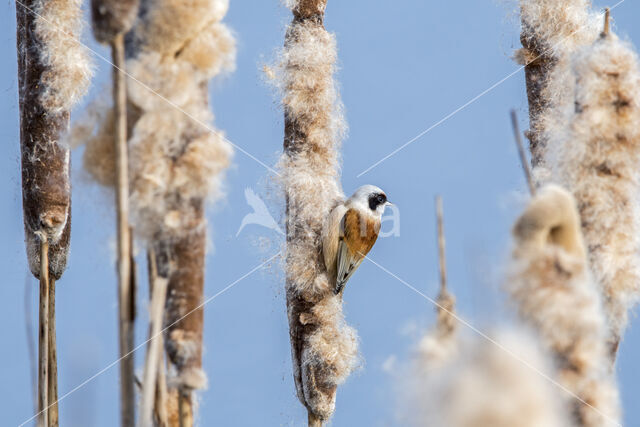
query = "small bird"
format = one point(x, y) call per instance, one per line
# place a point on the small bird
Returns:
point(260, 214)
point(350, 232)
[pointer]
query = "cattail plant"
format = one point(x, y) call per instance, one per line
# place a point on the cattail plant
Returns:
point(550, 282)
point(111, 20)
point(455, 381)
point(551, 29)
point(481, 384)
point(323, 347)
point(596, 155)
point(53, 73)
point(176, 160)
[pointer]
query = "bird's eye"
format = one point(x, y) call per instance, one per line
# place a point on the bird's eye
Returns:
point(381, 199)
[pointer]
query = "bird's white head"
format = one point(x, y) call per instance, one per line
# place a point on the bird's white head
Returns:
point(369, 198)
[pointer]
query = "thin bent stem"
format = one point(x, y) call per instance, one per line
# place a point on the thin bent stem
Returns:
point(521, 152)
point(43, 335)
point(125, 290)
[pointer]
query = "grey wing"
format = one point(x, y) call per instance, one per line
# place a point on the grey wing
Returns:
point(347, 265)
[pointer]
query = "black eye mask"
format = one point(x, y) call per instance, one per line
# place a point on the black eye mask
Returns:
point(376, 200)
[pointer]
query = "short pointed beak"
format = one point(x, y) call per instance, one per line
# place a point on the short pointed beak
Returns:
point(388, 203)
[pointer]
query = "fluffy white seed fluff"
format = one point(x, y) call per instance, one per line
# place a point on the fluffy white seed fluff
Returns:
point(176, 156)
point(310, 175)
point(324, 348)
point(596, 155)
point(550, 283)
point(68, 68)
point(559, 26)
point(551, 31)
point(483, 385)
point(439, 346)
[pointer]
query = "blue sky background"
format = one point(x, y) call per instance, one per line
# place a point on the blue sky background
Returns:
point(404, 66)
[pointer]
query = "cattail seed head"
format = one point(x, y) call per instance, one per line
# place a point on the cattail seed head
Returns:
point(112, 17)
point(596, 155)
point(550, 282)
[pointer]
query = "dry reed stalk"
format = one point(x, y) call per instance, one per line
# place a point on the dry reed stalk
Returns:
point(446, 322)
point(160, 407)
point(52, 374)
point(31, 350)
point(521, 153)
point(323, 347)
point(550, 30)
point(154, 348)
point(550, 283)
point(111, 20)
point(595, 154)
point(126, 301)
point(43, 338)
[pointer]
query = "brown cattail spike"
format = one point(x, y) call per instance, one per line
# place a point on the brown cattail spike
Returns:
point(521, 152)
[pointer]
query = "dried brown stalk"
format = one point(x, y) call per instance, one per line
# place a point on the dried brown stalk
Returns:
point(160, 405)
point(126, 302)
point(52, 374)
point(43, 339)
point(521, 152)
point(446, 323)
point(158, 291)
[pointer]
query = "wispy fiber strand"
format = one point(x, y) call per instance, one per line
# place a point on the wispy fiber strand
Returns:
point(323, 347)
point(550, 283)
point(596, 155)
